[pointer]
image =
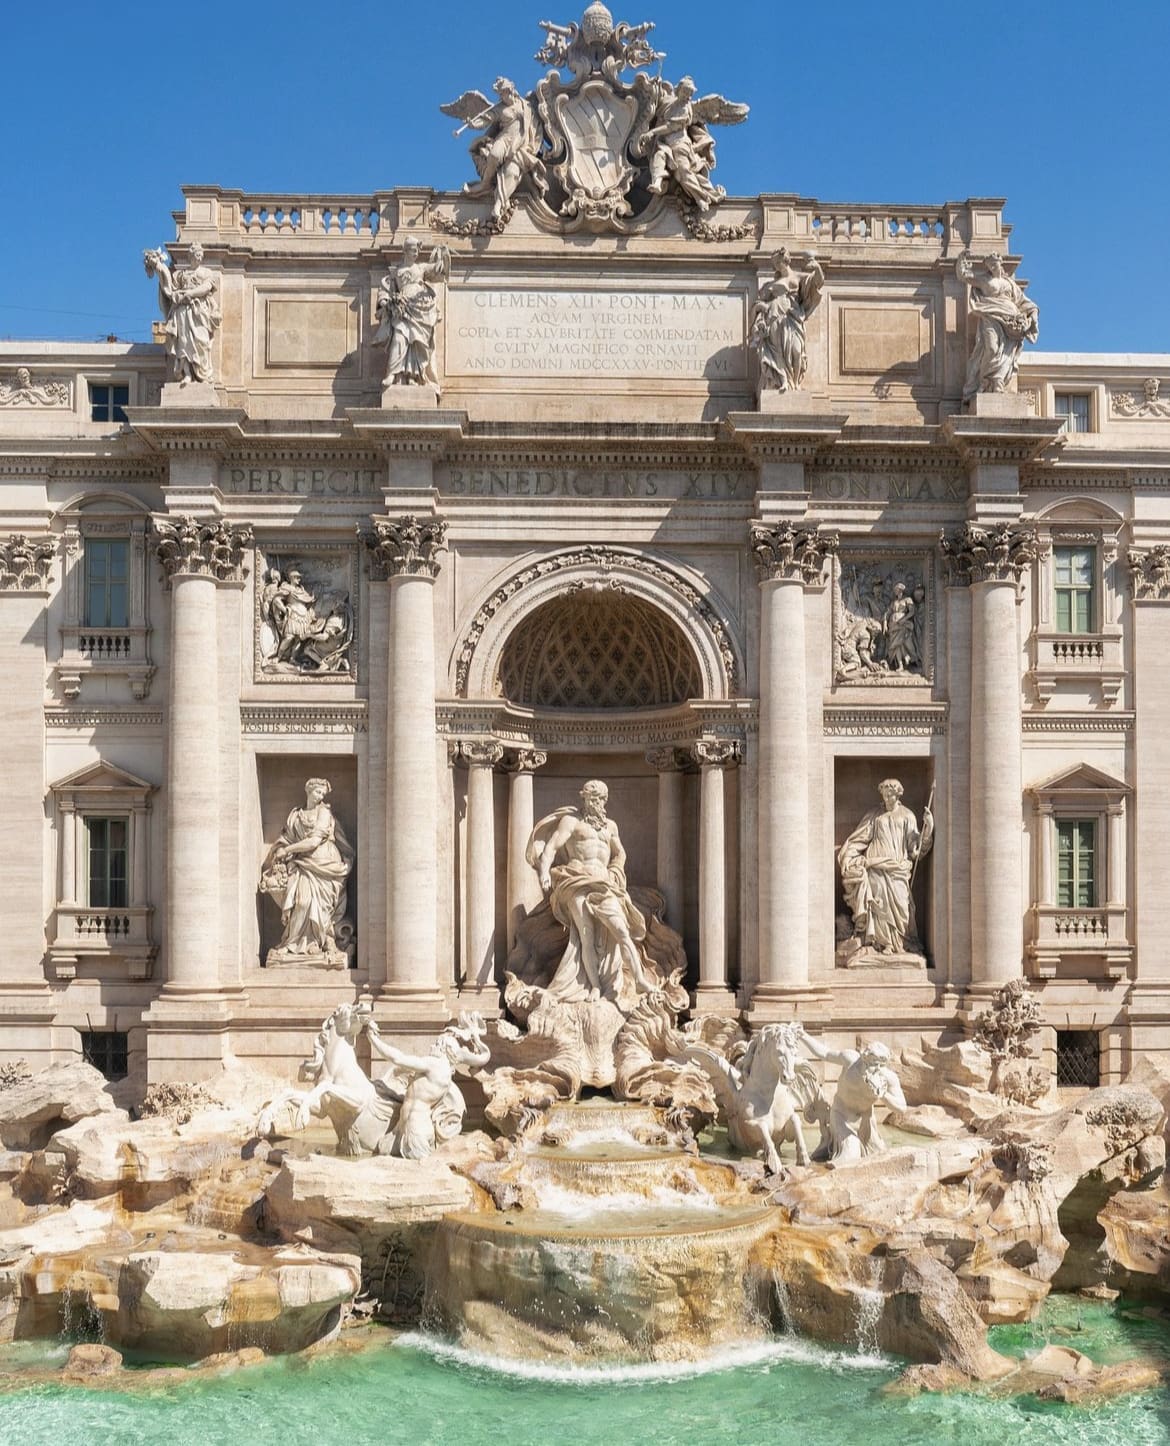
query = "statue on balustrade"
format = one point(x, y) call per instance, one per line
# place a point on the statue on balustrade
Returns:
point(878, 862)
point(408, 310)
point(580, 861)
point(778, 321)
point(1005, 319)
point(189, 299)
point(305, 872)
point(678, 143)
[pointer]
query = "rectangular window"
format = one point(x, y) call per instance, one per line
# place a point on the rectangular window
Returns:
point(107, 840)
point(1074, 570)
point(107, 570)
point(1076, 409)
point(1076, 863)
point(108, 401)
point(1078, 1059)
point(108, 1050)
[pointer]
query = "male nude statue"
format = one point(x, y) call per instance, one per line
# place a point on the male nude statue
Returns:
point(580, 861)
point(866, 1081)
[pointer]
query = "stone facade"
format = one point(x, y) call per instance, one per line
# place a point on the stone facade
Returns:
point(591, 541)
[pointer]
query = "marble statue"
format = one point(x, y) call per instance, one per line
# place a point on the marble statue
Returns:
point(509, 151)
point(1005, 320)
point(305, 626)
point(431, 1105)
point(778, 321)
point(596, 146)
point(878, 862)
point(409, 1112)
point(763, 1088)
point(189, 299)
point(408, 310)
point(305, 872)
point(866, 1081)
point(580, 861)
point(678, 145)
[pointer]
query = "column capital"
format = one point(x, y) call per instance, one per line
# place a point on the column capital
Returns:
point(476, 752)
point(715, 752)
point(25, 563)
point(193, 547)
point(1149, 573)
point(670, 759)
point(1001, 552)
point(405, 546)
point(790, 553)
point(524, 760)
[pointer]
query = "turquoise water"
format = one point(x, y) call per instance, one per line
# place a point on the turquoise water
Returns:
point(418, 1391)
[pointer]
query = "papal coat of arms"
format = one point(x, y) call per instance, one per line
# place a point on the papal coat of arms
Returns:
point(598, 147)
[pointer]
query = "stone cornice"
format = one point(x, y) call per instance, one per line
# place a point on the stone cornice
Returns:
point(795, 438)
point(790, 553)
point(187, 429)
point(293, 719)
point(1149, 573)
point(405, 546)
point(25, 563)
point(409, 433)
point(1077, 723)
point(189, 547)
point(103, 717)
point(863, 720)
point(1002, 440)
point(999, 553)
point(610, 729)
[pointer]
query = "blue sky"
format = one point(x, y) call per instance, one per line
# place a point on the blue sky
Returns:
point(1060, 107)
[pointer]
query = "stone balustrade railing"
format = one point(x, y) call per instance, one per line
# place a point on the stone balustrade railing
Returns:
point(313, 216)
point(879, 224)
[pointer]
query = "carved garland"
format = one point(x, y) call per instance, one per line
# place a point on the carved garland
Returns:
point(187, 547)
point(792, 553)
point(25, 563)
point(1000, 553)
point(405, 547)
point(1149, 573)
point(602, 559)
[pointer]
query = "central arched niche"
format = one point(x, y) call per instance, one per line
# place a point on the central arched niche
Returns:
point(598, 648)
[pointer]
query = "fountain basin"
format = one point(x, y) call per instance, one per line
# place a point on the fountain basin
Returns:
point(649, 1283)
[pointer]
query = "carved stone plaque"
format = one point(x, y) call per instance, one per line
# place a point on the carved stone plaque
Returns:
point(526, 333)
point(306, 616)
point(883, 624)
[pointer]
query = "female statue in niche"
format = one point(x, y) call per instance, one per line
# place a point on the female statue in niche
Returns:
point(778, 318)
point(305, 872)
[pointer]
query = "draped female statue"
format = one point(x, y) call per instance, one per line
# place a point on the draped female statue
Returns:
point(305, 872)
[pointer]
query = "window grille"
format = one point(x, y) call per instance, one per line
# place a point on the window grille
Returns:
point(1078, 1059)
point(108, 1050)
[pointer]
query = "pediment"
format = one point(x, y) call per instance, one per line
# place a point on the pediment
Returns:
point(1081, 778)
point(102, 777)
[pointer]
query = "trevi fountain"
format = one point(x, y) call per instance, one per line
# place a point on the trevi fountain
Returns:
point(743, 1117)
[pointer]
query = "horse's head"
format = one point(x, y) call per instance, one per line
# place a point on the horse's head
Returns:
point(348, 1020)
point(776, 1044)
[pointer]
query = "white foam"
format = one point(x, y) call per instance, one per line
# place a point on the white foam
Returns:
point(563, 1200)
point(789, 1350)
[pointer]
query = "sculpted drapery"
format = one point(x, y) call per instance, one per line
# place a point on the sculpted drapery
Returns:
point(305, 872)
point(1005, 319)
point(877, 869)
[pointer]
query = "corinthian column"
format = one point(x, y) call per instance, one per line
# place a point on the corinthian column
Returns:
point(196, 556)
point(523, 886)
point(406, 551)
point(481, 758)
point(991, 561)
point(714, 757)
point(788, 559)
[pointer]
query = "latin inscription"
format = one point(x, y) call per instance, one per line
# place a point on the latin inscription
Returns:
point(531, 334)
point(573, 482)
point(301, 481)
point(880, 487)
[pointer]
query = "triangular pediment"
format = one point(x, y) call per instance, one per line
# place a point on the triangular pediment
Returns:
point(102, 776)
point(1081, 778)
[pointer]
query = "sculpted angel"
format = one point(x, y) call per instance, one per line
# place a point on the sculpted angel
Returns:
point(408, 310)
point(1005, 320)
point(678, 143)
point(509, 150)
point(778, 321)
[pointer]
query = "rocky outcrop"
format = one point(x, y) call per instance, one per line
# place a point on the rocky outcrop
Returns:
point(382, 1209)
point(35, 1109)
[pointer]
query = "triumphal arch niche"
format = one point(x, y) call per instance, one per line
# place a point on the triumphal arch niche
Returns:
point(430, 509)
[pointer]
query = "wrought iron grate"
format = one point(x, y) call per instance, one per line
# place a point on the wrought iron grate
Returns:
point(1078, 1059)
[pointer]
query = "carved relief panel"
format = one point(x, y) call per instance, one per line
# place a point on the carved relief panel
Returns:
point(306, 613)
point(883, 618)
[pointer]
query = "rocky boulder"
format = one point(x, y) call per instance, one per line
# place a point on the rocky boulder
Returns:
point(382, 1209)
point(34, 1109)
